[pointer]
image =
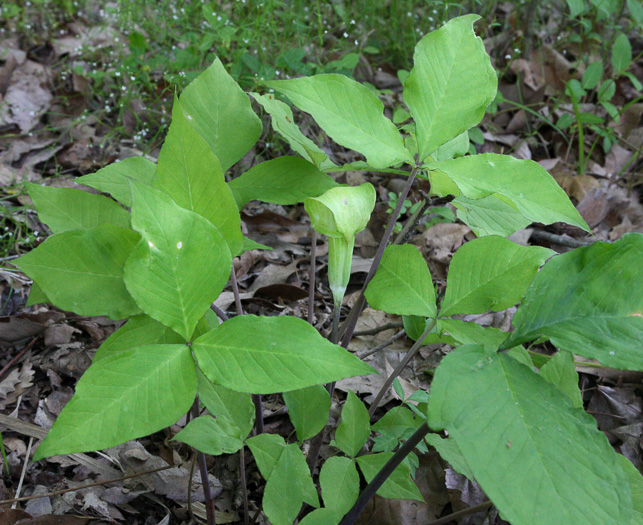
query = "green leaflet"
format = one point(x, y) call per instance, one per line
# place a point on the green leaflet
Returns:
point(560, 371)
point(589, 301)
point(137, 331)
point(339, 483)
point(490, 273)
point(530, 453)
point(322, 516)
point(190, 173)
point(636, 485)
point(468, 333)
point(451, 84)
point(165, 271)
point(234, 406)
point(124, 396)
point(355, 427)
point(308, 410)
point(114, 179)
point(214, 436)
point(402, 284)
point(221, 112)
point(283, 123)
point(448, 449)
point(399, 484)
point(284, 180)
point(351, 115)
point(64, 209)
point(525, 183)
point(36, 295)
point(81, 271)
point(283, 354)
point(280, 464)
point(491, 215)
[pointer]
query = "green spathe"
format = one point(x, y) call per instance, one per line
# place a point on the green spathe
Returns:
point(284, 353)
point(341, 213)
point(538, 458)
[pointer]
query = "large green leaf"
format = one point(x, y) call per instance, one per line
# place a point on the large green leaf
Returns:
point(636, 485)
point(526, 183)
point(355, 427)
point(124, 396)
point(284, 180)
point(351, 115)
point(402, 284)
point(589, 301)
point(137, 331)
point(399, 484)
point(339, 483)
point(448, 450)
point(308, 410)
point(214, 436)
point(490, 273)
point(469, 333)
point(280, 464)
point(321, 516)
point(81, 271)
point(220, 401)
point(560, 371)
point(451, 83)
point(190, 173)
point(538, 458)
point(283, 123)
point(491, 215)
point(64, 209)
point(114, 179)
point(221, 112)
point(180, 265)
point(282, 354)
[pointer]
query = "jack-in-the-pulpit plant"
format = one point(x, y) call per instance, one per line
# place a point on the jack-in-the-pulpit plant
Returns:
point(159, 251)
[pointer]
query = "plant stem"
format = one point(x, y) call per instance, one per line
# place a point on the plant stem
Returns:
point(311, 279)
point(383, 474)
point(386, 343)
point(461, 513)
point(378, 329)
point(347, 329)
point(405, 361)
point(203, 468)
point(256, 398)
point(244, 487)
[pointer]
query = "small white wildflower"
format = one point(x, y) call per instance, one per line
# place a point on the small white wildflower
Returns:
point(345, 34)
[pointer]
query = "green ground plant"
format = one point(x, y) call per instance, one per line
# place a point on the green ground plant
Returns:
point(160, 251)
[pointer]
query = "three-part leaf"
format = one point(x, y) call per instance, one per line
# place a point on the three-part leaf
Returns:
point(350, 114)
point(284, 180)
point(589, 301)
point(64, 209)
point(165, 271)
point(190, 173)
point(264, 355)
point(537, 457)
point(525, 183)
point(221, 112)
point(451, 84)
point(81, 271)
point(402, 284)
point(490, 273)
point(124, 396)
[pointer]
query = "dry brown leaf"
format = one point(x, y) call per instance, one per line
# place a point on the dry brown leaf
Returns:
point(15, 383)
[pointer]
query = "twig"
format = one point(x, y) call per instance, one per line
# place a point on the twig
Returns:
point(386, 343)
point(383, 474)
point(244, 487)
point(311, 286)
point(205, 481)
point(562, 240)
point(20, 354)
point(462, 513)
point(377, 330)
point(220, 313)
point(81, 487)
point(405, 361)
point(24, 471)
point(235, 291)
